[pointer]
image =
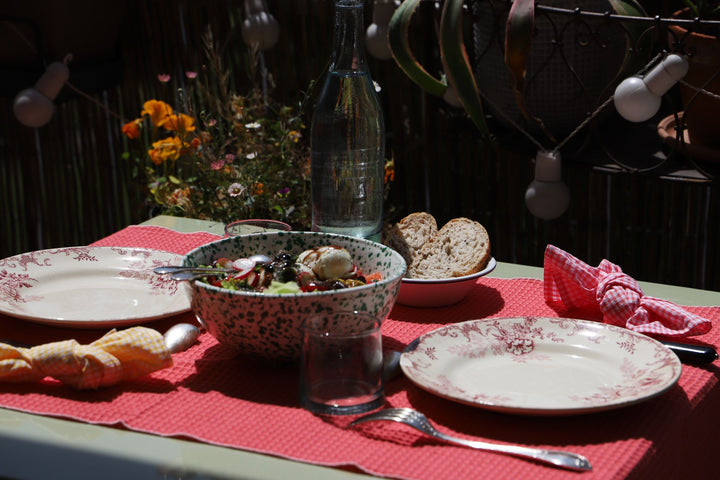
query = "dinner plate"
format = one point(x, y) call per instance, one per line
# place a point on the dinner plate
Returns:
point(540, 366)
point(90, 287)
point(440, 292)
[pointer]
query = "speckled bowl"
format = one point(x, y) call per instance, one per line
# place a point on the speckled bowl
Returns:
point(268, 325)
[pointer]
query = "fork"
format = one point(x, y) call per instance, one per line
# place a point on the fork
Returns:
point(418, 421)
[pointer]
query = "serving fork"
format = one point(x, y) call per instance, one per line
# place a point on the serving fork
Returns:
point(418, 421)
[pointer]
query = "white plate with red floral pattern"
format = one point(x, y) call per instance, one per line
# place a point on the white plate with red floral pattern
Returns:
point(540, 365)
point(90, 287)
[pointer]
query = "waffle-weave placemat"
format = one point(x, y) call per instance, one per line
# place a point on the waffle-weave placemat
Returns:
point(214, 396)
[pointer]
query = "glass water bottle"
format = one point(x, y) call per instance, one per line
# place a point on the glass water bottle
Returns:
point(348, 136)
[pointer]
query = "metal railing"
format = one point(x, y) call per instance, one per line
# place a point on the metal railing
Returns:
point(564, 91)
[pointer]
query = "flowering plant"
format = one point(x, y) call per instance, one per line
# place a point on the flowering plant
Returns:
point(242, 156)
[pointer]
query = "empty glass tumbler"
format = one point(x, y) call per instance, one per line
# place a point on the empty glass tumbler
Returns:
point(341, 370)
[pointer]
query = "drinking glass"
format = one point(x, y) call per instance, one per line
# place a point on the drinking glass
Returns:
point(341, 371)
point(255, 225)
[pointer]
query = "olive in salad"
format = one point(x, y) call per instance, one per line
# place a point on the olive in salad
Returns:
point(329, 267)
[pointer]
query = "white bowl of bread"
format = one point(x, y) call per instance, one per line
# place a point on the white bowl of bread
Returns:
point(443, 264)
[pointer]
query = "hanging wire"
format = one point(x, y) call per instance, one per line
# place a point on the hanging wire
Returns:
point(655, 22)
point(577, 129)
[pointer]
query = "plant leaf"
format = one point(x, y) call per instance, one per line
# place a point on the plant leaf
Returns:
point(638, 43)
point(457, 64)
point(518, 41)
point(402, 53)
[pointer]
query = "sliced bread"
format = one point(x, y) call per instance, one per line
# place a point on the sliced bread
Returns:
point(461, 247)
point(409, 235)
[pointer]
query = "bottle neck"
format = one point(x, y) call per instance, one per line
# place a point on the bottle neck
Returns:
point(349, 40)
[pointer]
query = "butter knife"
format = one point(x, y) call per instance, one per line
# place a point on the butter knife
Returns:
point(692, 354)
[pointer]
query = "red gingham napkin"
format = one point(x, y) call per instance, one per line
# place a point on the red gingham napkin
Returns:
point(570, 284)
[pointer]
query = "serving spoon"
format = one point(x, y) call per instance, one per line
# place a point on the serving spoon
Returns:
point(181, 273)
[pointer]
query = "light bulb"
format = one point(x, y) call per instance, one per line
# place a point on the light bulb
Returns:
point(33, 107)
point(547, 197)
point(637, 98)
point(260, 28)
point(377, 33)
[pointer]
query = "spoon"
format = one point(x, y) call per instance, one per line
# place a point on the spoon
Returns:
point(178, 271)
point(180, 336)
point(178, 268)
point(186, 275)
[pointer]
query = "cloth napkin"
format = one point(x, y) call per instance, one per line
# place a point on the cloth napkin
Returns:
point(117, 356)
point(570, 284)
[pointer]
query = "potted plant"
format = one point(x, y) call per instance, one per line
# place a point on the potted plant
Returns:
point(701, 42)
point(513, 62)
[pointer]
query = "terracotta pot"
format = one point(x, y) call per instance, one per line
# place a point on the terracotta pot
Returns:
point(701, 112)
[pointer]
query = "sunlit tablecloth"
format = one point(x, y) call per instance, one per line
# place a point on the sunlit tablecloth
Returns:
point(216, 397)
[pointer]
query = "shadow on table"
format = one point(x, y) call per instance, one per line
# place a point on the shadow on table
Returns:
point(483, 301)
point(245, 377)
point(54, 388)
point(651, 420)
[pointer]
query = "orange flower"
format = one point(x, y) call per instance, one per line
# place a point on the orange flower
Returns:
point(165, 149)
point(179, 123)
point(258, 189)
point(294, 136)
point(158, 111)
point(180, 196)
point(132, 129)
point(389, 171)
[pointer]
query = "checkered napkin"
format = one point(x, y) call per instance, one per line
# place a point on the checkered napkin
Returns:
point(570, 284)
point(119, 355)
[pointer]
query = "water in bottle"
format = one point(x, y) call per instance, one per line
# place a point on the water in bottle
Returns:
point(348, 137)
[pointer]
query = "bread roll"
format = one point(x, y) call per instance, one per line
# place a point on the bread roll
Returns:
point(409, 235)
point(461, 247)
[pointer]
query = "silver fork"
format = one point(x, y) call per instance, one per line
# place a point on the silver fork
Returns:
point(418, 421)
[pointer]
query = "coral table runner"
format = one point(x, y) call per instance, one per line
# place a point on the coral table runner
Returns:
point(213, 396)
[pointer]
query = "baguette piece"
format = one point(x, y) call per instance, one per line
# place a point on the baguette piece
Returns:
point(409, 235)
point(461, 247)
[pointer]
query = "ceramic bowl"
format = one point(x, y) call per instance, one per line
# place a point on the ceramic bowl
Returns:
point(418, 292)
point(269, 325)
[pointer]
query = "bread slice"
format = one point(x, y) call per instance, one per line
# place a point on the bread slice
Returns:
point(461, 247)
point(409, 235)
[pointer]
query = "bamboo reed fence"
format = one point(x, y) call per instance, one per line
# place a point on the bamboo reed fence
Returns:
point(67, 183)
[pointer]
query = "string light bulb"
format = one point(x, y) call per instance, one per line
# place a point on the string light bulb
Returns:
point(638, 99)
point(547, 197)
point(260, 28)
point(377, 33)
point(33, 107)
